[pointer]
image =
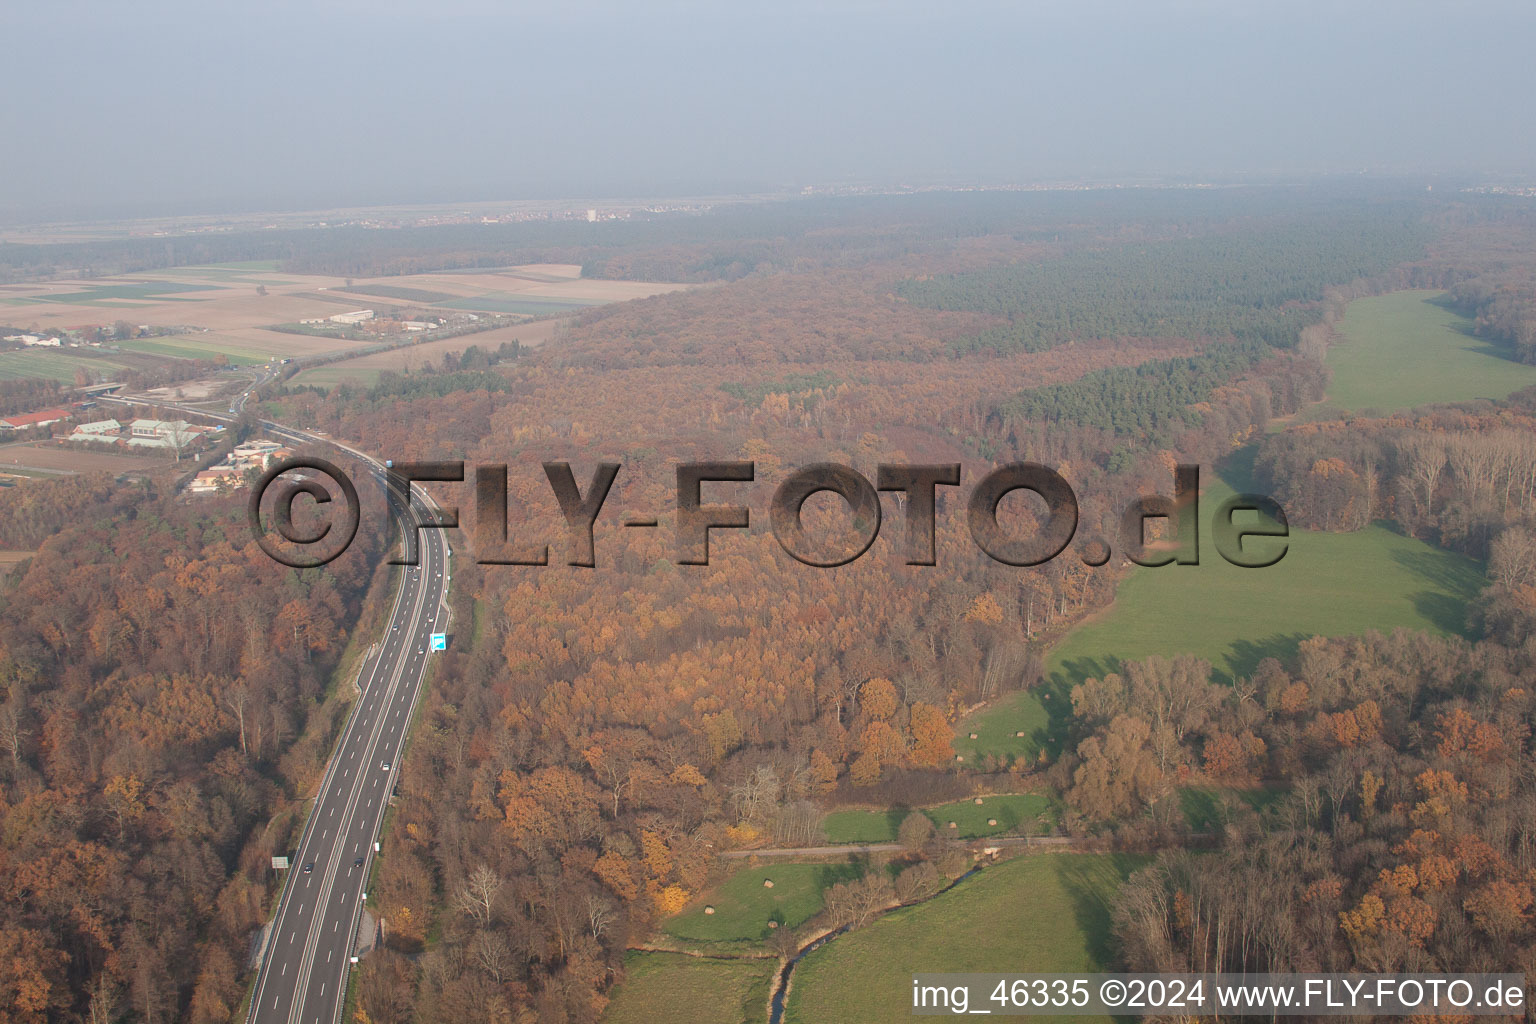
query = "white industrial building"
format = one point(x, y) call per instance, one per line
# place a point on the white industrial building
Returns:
point(161, 433)
point(357, 316)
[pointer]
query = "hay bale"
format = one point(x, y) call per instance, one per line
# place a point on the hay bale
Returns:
point(978, 801)
point(973, 736)
point(953, 825)
point(992, 822)
point(1019, 735)
point(767, 883)
point(709, 910)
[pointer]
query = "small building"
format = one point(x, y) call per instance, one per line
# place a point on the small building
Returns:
point(98, 432)
point(46, 417)
point(253, 449)
point(162, 433)
point(210, 480)
point(256, 454)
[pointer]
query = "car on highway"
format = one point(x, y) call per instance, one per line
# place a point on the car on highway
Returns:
point(309, 868)
point(386, 766)
point(357, 862)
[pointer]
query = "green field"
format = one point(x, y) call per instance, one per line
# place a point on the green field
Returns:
point(193, 346)
point(743, 906)
point(513, 302)
point(1049, 912)
point(103, 294)
point(50, 364)
point(683, 989)
point(390, 291)
point(329, 376)
point(1027, 812)
point(1404, 349)
point(1328, 584)
point(231, 273)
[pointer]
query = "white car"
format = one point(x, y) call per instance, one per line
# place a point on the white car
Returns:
point(386, 766)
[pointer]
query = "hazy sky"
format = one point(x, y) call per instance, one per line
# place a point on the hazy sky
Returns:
point(159, 106)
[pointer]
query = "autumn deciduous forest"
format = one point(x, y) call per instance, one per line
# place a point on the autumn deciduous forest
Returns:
point(595, 738)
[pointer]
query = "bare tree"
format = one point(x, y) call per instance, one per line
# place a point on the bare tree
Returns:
point(757, 795)
point(1475, 458)
point(798, 823)
point(599, 914)
point(1511, 563)
point(103, 1008)
point(493, 955)
point(1427, 458)
point(236, 698)
point(11, 731)
point(916, 829)
point(477, 897)
point(180, 434)
point(856, 903)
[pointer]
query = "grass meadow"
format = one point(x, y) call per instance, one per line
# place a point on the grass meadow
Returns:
point(1030, 813)
point(681, 989)
point(1406, 349)
point(1045, 912)
point(193, 346)
point(744, 906)
point(50, 364)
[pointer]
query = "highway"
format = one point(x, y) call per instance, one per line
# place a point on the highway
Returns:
point(309, 946)
point(310, 943)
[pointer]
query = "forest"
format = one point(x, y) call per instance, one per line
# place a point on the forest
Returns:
point(1504, 306)
point(1255, 284)
point(597, 737)
point(162, 715)
point(1404, 842)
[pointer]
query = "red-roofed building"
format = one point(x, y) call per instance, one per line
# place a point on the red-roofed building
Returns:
point(34, 419)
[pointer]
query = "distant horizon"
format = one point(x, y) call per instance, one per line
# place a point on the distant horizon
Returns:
point(170, 107)
point(12, 222)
